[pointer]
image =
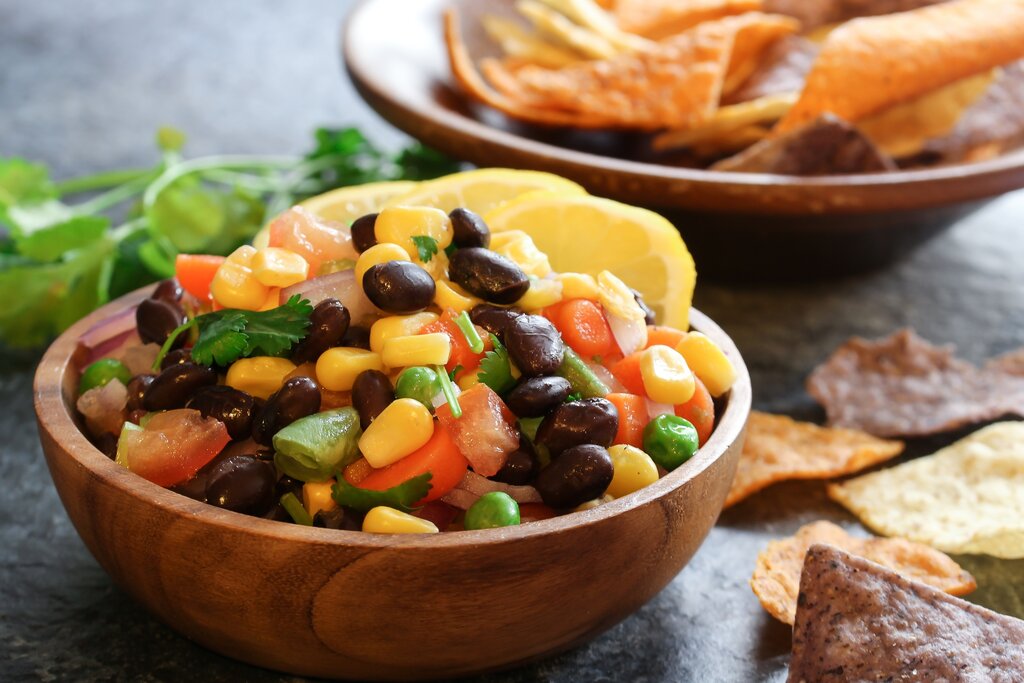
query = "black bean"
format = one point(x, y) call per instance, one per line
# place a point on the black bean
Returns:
point(298, 397)
point(488, 275)
point(169, 291)
point(582, 473)
point(175, 357)
point(339, 518)
point(136, 389)
point(287, 485)
point(371, 394)
point(587, 421)
point(494, 319)
point(520, 466)
point(156, 319)
point(399, 287)
point(357, 337)
point(469, 229)
point(363, 236)
point(243, 484)
point(328, 324)
point(536, 396)
point(649, 317)
point(534, 345)
point(233, 407)
point(173, 387)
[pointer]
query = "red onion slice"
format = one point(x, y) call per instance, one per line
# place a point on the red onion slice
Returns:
point(341, 286)
point(474, 485)
point(110, 332)
point(606, 376)
point(656, 409)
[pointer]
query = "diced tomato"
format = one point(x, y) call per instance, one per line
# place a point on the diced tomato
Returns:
point(439, 456)
point(195, 273)
point(583, 327)
point(663, 335)
point(461, 354)
point(441, 514)
point(485, 433)
point(172, 447)
point(627, 371)
point(315, 240)
point(700, 411)
point(632, 418)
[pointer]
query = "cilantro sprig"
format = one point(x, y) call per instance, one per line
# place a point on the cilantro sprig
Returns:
point(496, 369)
point(426, 247)
point(230, 334)
point(402, 497)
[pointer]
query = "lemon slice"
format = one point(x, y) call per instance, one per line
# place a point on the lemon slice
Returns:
point(346, 204)
point(484, 189)
point(585, 234)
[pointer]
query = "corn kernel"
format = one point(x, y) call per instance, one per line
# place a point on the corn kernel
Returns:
point(401, 428)
point(666, 376)
point(385, 520)
point(234, 286)
point(633, 470)
point(337, 368)
point(260, 376)
point(276, 267)
point(591, 504)
point(617, 297)
point(316, 496)
point(399, 224)
point(417, 349)
point(579, 286)
point(541, 294)
point(448, 295)
point(378, 253)
point(708, 362)
point(273, 299)
point(519, 247)
point(243, 256)
point(468, 379)
point(398, 326)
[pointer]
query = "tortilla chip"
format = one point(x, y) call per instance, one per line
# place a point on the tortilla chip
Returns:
point(869, 65)
point(591, 16)
point(903, 130)
point(905, 386)
point(659, 19)
point(517, 42)
point(780, 69)
point(815, 13)
point(780, 448)
point(755, 34)
point(776, 579)
point(965, 498)
point(676, 85)
point(826, 146)
point(729, 142)
point(727, 119)
point(857, 621)
point(558, 26)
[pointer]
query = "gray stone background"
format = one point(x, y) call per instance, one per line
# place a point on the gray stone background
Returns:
point(83, 87)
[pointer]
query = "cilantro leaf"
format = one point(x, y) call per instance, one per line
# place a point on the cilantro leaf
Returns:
point(222, 338)
point(273, 332)
point(48, 243)
point(426, 247)
point(402, 497)
point(495, 368)
point(230, 334)
point(24, 182)
point(574, 396)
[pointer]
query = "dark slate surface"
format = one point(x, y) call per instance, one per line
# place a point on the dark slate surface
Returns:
point(83, 86)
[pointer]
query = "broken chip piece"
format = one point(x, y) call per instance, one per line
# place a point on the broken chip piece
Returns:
point(905, 386)
point(857, 621)
point(658, 19)
point(965, 498)
point(779, 448)
point(776, 579)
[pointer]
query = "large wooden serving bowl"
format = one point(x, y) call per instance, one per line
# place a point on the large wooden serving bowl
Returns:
point(345, 604)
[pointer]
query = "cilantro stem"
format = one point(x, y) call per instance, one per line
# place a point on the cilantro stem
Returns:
point(115, 196)
point(476, 344)
point(100, 181)
point(216, 162)
point(296, 510)
point(449, 391)
point(166, 348)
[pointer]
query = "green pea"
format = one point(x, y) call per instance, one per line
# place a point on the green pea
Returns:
point(418, 383)
point(670, 440)
point(492, 510)
point(101, 372)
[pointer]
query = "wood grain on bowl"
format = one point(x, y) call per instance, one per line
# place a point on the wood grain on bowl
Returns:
point(344, 604)
point(395, 54)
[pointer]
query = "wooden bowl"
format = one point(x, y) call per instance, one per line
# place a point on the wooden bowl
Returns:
point(740, 226)
point(319, 602)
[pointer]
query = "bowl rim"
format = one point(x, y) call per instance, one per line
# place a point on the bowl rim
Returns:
point(930, 187)
point(55, 418)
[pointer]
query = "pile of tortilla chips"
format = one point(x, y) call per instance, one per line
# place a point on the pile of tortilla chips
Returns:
point(765, 85)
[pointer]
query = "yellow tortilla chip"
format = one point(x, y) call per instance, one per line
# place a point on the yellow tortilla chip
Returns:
point(658, 19)
point(515, 41)
point(727, 120)
point(780, 448)
point(776, 579)
point(903, 130)
point(870, 64)
point(589, 15)
point(730, 142)
point(965, 498)
point(558, 26)
point(755, 33)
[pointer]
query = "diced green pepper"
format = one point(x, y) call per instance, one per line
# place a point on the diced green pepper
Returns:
point(670, 440)
point(314, 447)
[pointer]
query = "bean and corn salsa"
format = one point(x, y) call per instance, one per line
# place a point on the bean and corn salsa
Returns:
point(410, 373)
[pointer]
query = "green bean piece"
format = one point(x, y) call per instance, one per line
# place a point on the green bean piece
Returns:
point(581, 377)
